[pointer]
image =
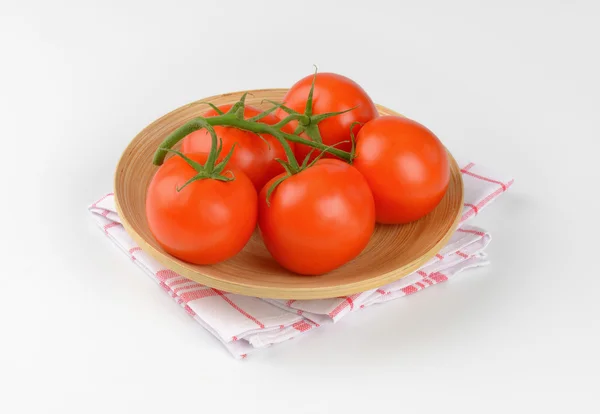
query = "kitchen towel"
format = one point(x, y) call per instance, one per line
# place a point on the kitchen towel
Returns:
point(245, 324)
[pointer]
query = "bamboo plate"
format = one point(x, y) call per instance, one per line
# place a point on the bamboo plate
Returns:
point(392, 253)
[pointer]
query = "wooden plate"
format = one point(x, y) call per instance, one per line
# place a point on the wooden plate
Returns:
point(393, 252)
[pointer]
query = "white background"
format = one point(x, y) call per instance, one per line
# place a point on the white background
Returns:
point(511, 84)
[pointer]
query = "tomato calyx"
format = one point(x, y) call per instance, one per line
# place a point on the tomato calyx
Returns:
point(291, 170)
point(203, 172)
point(308, 122)
point(211, 169)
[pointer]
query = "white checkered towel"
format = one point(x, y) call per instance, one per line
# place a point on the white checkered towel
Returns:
point(244, 324)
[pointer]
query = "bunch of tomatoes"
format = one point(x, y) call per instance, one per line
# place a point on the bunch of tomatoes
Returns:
point(315, 173)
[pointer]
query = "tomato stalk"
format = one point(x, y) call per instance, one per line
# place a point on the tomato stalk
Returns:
point(234, 117)
point(353, 140)
point(231, 120)
point(307, 123)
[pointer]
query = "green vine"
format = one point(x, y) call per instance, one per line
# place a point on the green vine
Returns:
point(234, 117)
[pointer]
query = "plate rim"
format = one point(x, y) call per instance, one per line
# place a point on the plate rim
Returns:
point(297, 293)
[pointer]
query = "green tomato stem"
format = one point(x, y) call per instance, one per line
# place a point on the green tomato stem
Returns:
point(260, 128)
point(230, 119)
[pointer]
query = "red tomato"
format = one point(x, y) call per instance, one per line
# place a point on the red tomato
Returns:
point(208, 221)
point(252, 155)
point(318, 219)
point(332, 93)
point(406, 166)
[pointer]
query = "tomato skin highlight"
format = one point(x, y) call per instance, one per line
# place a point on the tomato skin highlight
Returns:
point(206, 222)
point(318, 219)
point(406, 166)
point(253, 156)
point(332, 93)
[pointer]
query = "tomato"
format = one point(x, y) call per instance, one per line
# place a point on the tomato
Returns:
point(332, 93)
point(406, 165)
point(207, 221)
point(317, 219)
point(252, 155)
